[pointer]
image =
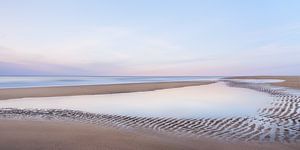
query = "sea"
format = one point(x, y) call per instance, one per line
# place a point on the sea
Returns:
point(47, 81)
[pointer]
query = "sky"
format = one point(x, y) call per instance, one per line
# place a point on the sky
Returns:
point(150, 37)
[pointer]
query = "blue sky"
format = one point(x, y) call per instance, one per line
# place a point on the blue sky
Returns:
point(209, 37)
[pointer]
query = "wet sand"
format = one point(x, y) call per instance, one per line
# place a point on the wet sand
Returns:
point(290, 81)
point(92, 89)
point(46, 135)
point(283, 116)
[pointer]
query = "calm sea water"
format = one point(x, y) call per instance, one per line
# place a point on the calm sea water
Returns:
point(44, 81)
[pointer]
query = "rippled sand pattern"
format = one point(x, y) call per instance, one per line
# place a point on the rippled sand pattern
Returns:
point(280, 121)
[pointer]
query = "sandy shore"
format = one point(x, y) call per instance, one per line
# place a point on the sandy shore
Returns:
point(46, 135)
point(92, 89)
point(55, 134)
point(290, 81)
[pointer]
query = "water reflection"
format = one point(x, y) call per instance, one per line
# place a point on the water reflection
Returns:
point(214, 100)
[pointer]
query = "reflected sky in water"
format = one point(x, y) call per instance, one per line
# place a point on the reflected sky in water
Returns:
point(214, 100)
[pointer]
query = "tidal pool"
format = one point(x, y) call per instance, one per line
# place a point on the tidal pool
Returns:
point(206, 101)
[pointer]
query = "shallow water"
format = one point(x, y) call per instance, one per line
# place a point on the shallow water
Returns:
point(208, 101)
point(42, 81)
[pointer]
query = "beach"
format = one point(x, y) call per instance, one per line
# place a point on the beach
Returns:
point(12, 93)
point(149, 75)
point(46, 135)
point(68, 129)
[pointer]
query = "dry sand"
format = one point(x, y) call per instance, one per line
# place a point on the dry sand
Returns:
point(290, 81)
point(46, 135)
point(92, 89)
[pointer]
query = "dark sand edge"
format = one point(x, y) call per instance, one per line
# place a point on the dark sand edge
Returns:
point(92, 89)
point(290, 81)
point(49, 135)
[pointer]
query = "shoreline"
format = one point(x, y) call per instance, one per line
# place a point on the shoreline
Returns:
point(14, 93)
point(64, 134)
